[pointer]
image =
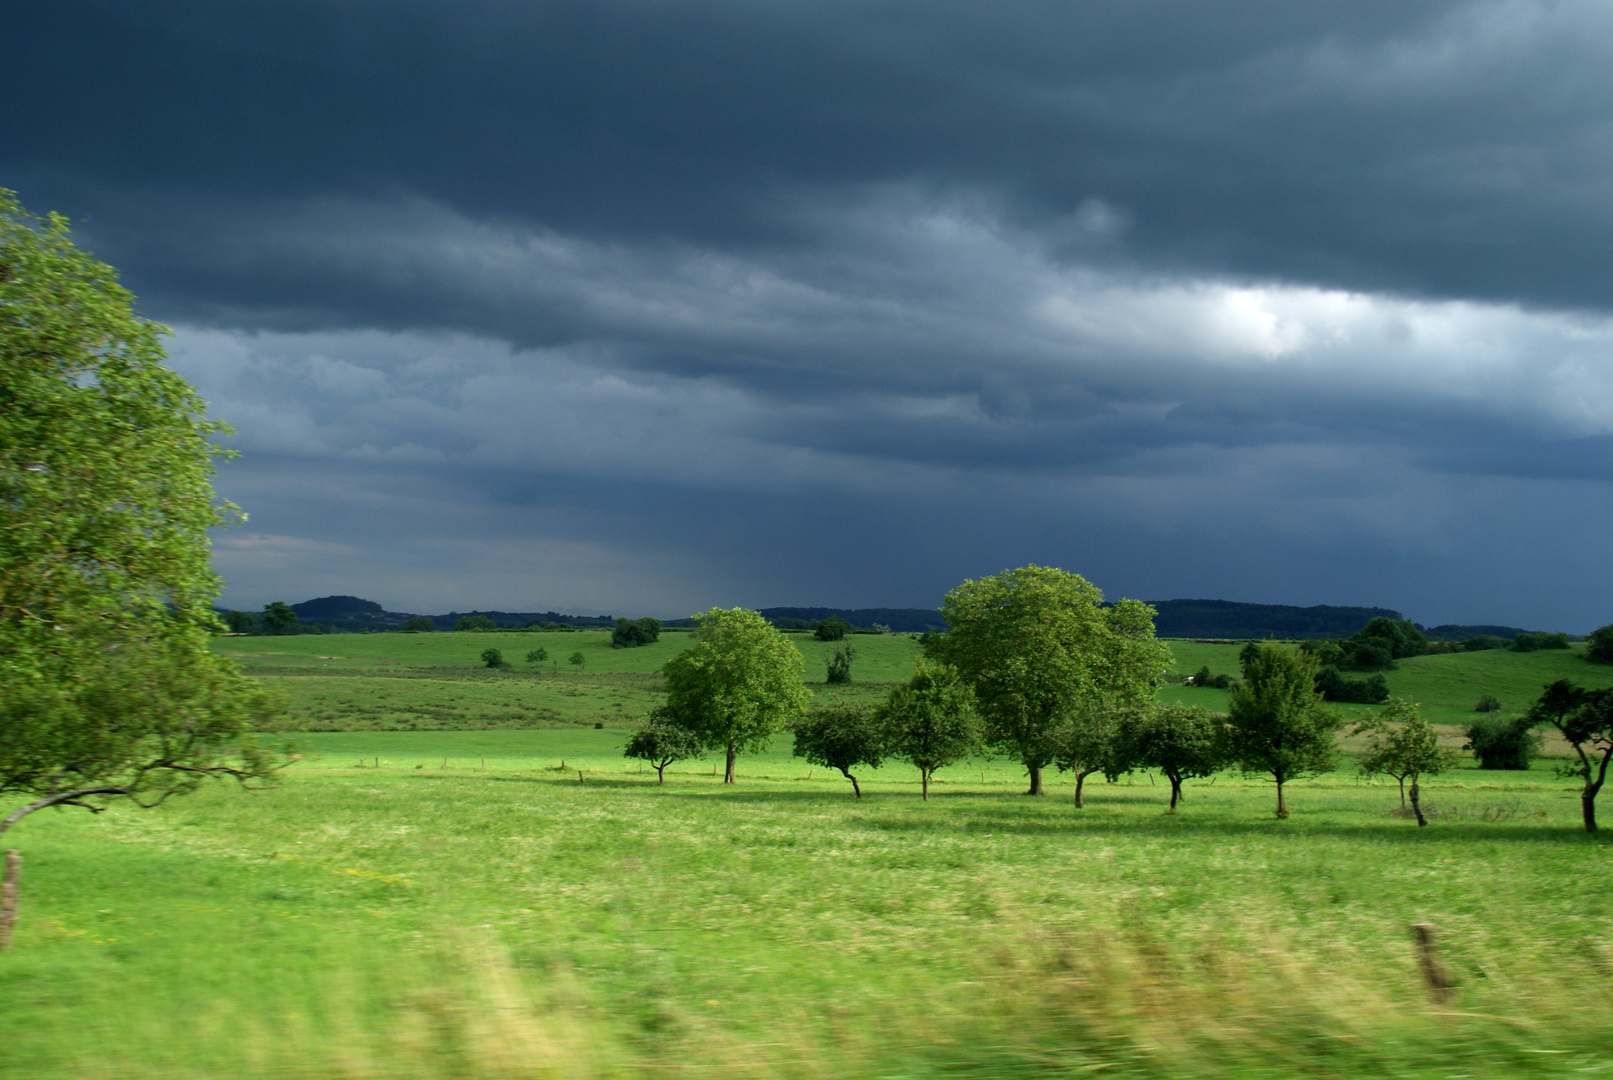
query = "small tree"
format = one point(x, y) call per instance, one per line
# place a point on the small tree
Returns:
point(841, 736)
point(1599, 646)
point(577, 659)
point(493, 658)
point(661, 742)
point(537, 656)
point(737, 685)
point(1585, 719)
point(834, 628)
point(1401, 744)
point(930, 721)
point(838, 665)
point(632, 632)
point(1181, 741)
point(1087, 744)
point(1503, 744)
point(1277, 724)
point(419, 624)
point(278, 618)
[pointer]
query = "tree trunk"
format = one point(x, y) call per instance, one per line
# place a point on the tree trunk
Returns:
point(924, 781)
point(8, 898)
point(1402, 780)
point(660, 774)
point(1282, 807)
point(733, 755)
point(1036, 779)
point(1080, 781)
point(1176, 791)
point(1416, 806)
point(847, 774)
point(1587, 805)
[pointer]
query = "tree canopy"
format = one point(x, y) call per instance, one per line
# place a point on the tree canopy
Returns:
point(1277, 723)
point(738, 685)
point(842, 736)
point(1401, 744)
point(1181, 741)
point(1036, 643)
point(930, 721)
point(660, 741)
point(107, 686)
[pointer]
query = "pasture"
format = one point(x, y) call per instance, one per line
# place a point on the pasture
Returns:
point(462, 877)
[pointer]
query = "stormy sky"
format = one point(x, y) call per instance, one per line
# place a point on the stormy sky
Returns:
point(641, 307)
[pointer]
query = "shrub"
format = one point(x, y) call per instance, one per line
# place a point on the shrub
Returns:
point(475, 622)
point(1488, 703)
point(633, 632)
point(839, 665)
point(834, 628)
point(1600, 647)
point(1531, 642)
point(1335, 687)
point(492, 658)
point(419, 624)
point(577, 658)
point(1483, 642)
point(538, 655)
point(1503, 744)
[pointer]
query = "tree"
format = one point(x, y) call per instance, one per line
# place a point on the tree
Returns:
point(838, 665)
point(1034, 644)
point(243, 622)
point(661, 742)
point(631, 632)
point(537, 656)
point(931, 721)
point(1277, 724)
point(1599, 646)
point(109, 690)
point(834, 628)
point(474, 622)
point(841, 736)
point(738, 685)
point(278, 618)
point(577, 659)
point(1181, 741)
point(1585, 719)
point(1401, 744)
point(419, 624)
point(493, 658)
point(1087, 744)
point(1505, 745)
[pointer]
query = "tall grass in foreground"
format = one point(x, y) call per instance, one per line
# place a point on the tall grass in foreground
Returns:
point(449, 923)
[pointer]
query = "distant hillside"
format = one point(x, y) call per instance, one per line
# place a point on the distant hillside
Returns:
point(1230, 619)
point(902, 620)
point(352, 613)
point(1451, 632)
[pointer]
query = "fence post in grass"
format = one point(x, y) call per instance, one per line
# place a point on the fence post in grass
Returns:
point(579, 776)
point(8, 897)
point(1438, 984)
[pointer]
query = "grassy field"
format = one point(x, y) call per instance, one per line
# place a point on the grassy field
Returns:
point(431, 904)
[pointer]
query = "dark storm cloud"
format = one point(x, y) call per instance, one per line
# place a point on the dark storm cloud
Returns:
point(652, 305)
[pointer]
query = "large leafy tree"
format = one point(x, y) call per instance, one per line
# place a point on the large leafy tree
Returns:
point(107, 687)
point(1036, 644)
point(1277, 723)
point(738, 685)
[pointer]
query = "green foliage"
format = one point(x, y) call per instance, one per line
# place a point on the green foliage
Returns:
point(243, 622)
point(1599, 646)
point(661, 741)
point(577, 659)
point(108, 688)
point(1503, 744)
point(278, 618)
point(1089, 741)
point(1202, 677)
point(738, 684)
point(537, 656)
point(1335, 687)
point(492, 658)
point(1585, 718)
point(1326, 650)
point(1183, 742)
point(842, 736)
point(931, 722)
point(419, 624)
point(1532, 642)
point(1382, 641)
point(838, 666)
point(1488, 703)
point(474, 622)
point(1034, 644)
point(834, 628)
point(632, 632)
point(1277, 724)
point(1401, 744)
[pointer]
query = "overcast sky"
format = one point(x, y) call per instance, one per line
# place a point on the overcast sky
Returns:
point(644, 307)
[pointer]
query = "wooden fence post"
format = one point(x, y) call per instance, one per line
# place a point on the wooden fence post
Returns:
point(1438, 984)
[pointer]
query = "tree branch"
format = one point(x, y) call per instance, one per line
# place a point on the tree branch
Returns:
point(64, 798)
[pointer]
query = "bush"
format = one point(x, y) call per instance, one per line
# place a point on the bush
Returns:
point(475, 622)
point(1483, 642)
point(419, 624)
point(1202, 677)
point(839, 665)
point(1600, 646)
point(1371, 656)
point(537, 656)
point(1335, 687)
point(1488, 703)
point(834, 628)
point(633, 632)
point(1532, 642)
point(492, 658)
point(1381, 642)
point(1503, 744)
point(577, 658)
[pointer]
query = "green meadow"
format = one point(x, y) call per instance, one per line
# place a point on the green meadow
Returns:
point(462, 877)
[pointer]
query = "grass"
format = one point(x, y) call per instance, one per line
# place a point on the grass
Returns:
point(464, 908)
